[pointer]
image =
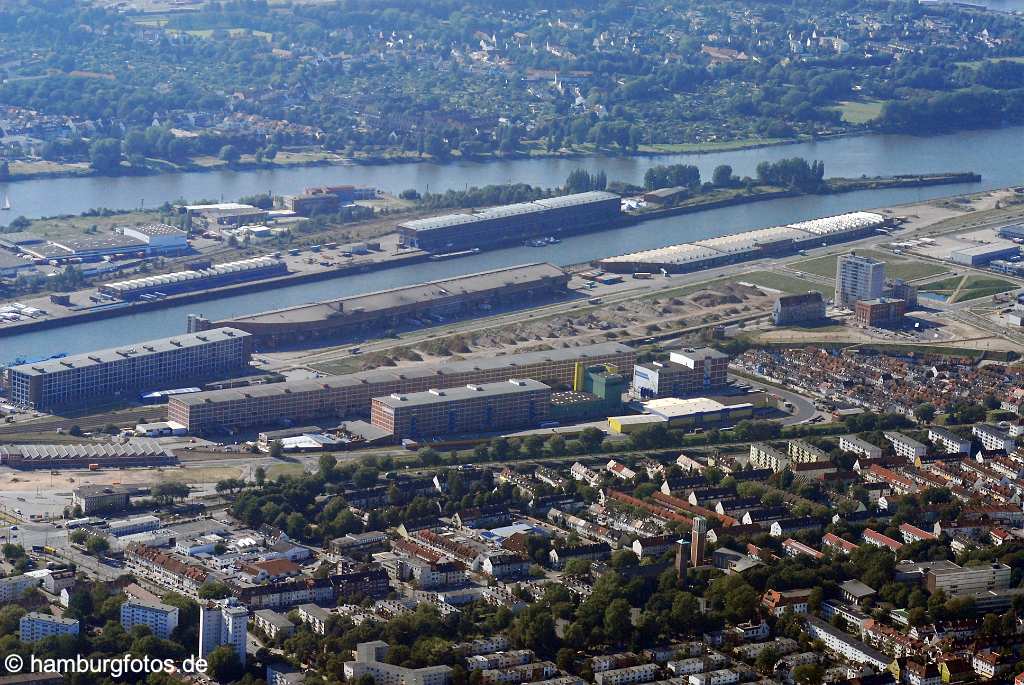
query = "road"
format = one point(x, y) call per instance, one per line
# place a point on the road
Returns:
point(803, 408)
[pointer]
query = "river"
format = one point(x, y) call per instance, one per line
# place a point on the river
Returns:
point(993, 153)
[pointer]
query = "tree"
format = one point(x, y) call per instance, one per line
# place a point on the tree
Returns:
point(229, 154)
point(808, 674)
point(214, 590)
point(276, 449)
point(223, 665)
point(618, 625)
point(78, 536)
point(260, 475)
point(97, 545)
point(722, 176)
point(13, 552)
point(924, 412)
point(135, 143)
point(591, 438)
point(169, 491)
point(428, 456)
point(105, 155)
point(326, 465)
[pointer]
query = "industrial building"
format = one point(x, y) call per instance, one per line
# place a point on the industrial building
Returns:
point(350, 395)
point(687, 372)
point(514, 286)
point(858, 278)
point(223, 214)
point(480, 408)
point(137, 452)
point(121, 372)
point(159, 238)
point(597, 392)
point(92, 499)
point(697, 411)
point(980, 255)
point(881, 312)
point(803, 308)
point(751, 245)
point(512, 223)
point(958, 581)
point(201, 279)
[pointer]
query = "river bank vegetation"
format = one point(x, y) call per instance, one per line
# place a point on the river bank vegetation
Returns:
point(246, 83)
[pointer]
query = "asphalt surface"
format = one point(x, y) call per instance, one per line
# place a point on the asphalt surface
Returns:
point(803, 408)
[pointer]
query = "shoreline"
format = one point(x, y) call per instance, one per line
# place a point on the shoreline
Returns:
point(114, 311)
point(390, 161)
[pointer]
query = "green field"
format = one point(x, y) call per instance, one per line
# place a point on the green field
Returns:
point(860, 112)
point(971, 287)
point(977, 63)
point(895, 267)
point(781, 281)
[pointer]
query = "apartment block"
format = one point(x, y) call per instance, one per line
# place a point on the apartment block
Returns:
point(35, 626)
point(840, 643)
point(13, 588)
point(858, 278)
point(764, 456)
point(223, 622)
point(906, 447)
point(992, 438)
point(161, 619)
point(122, 371)
point(851, 443)
point(272, 623)
point(515, 403)
point(369, 661)
point(949, 441)
point(803, 452)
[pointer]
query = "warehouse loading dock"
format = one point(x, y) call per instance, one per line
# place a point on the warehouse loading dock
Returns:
point(377, 312)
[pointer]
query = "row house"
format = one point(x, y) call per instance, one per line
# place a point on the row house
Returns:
point(837, 544)
point(873, 537)
point(166, 569)
point(795, 548)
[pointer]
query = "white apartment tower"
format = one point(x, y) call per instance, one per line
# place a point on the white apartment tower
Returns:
point(858, 278)
point(222, 623)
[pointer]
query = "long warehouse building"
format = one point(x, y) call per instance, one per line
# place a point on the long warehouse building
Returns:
point(514, 286)
point(747, 246)
point(192, 280)
point(508, 224)
point(351, 395)
point(124, 371)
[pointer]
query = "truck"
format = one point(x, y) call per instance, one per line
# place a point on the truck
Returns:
point(94, 467)
point(643, 276)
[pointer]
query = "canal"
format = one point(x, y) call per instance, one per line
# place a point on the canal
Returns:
point(994, 153)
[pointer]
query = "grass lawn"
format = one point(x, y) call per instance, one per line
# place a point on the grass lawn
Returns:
point(895, 267)
point(971, 287)
point(76, 226)
point(977, 63)
point(780, 281)
point(860, 112)
point(286, 469)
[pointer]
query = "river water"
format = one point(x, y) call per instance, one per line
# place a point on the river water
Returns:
point(996, 154)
